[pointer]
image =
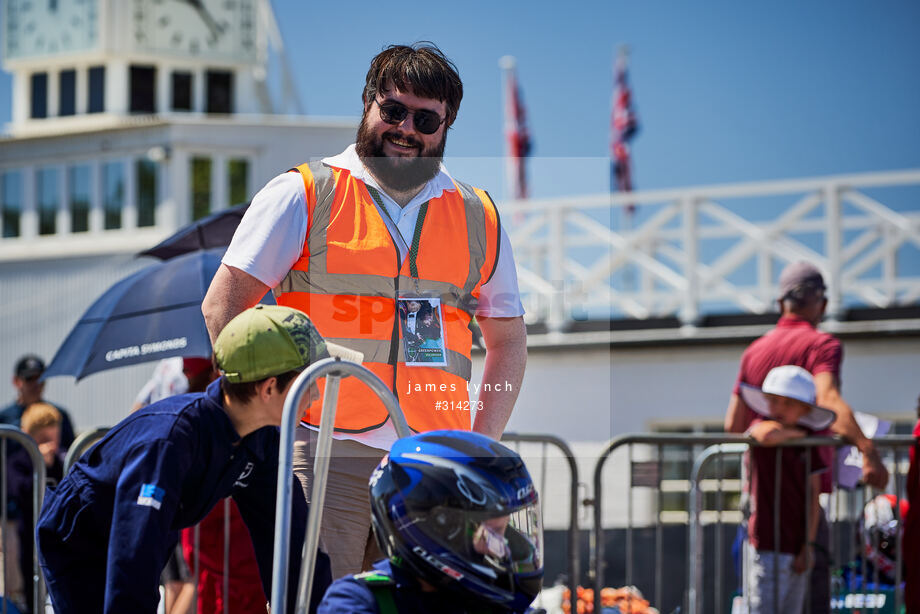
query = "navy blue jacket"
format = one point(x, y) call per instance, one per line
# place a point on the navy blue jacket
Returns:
point(106, 531)
point(349, 594)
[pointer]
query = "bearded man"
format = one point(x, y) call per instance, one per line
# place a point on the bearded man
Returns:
point(352, 240)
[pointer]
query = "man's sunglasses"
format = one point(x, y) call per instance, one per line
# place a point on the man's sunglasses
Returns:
point(425, 121)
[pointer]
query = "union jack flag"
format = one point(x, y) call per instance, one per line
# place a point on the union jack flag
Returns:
point(519, 143)
point(624, 124)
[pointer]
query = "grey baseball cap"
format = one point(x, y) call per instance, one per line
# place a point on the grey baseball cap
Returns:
point(799, 275)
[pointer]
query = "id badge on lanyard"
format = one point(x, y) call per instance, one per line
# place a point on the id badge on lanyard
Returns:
point(421, 321)
point(421, 325)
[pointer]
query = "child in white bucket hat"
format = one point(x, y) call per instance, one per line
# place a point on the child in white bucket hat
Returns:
point(788, 396)
point(777, 562)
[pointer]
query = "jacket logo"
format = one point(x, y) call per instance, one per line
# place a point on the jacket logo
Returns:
point(247, 471)
point(151, 496)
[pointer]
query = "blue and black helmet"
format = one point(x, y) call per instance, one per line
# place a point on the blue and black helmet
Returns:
point(460, 510)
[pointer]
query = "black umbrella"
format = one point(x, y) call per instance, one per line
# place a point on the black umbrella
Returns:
point(154, 313)
point(215, 230)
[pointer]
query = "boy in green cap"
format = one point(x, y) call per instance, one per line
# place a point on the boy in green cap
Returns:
point(106, 531)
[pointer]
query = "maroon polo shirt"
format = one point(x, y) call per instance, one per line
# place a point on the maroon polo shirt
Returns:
point(794, 341)
point(790, 501)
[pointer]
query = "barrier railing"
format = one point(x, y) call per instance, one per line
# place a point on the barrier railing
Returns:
point(702, 578)
point(573, 558)
point(696, 544)
point(81, 444)
point(893, 444)
point(8, 433)
point(597, 537)
point(333, 370)
point(683, 252)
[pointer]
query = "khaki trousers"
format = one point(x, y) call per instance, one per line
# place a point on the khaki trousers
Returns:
point(345, 532)
point(12, 584)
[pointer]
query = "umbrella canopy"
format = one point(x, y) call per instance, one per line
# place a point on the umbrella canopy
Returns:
point(215, 230)
point(152, 314)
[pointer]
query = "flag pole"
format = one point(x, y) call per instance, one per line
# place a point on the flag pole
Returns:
point(622, 65)
point(507, 65)
point(623, 127)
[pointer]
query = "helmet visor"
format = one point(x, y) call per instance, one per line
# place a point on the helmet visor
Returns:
point(500, 546)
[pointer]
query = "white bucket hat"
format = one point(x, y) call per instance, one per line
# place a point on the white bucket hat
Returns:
point(792, 382)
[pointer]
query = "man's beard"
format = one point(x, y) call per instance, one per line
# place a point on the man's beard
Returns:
point(398, 174)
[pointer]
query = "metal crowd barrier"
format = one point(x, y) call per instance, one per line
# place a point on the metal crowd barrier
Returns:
point(695, 581)
point(598, 559)
point(706, 576)
point(573, 567)
point(81, 444)
point(8, 433)
point(333, 370)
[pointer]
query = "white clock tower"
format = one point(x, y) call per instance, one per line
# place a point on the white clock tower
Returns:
point(71, 59)
point(130, 119)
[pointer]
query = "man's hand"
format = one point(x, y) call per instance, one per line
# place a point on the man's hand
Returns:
point(874, 473)
point(804, 560)
point(828, 393)
point(506, 355)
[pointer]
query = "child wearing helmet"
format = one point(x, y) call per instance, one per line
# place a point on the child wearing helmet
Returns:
point(457, 516)
point(777, 562)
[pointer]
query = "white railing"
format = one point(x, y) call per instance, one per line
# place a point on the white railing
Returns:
point(695, 251)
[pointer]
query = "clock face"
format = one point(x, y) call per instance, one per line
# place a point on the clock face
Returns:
point(220, 29)
point(49, 27)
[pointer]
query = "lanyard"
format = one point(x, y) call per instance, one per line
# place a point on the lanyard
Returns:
point(417, 235)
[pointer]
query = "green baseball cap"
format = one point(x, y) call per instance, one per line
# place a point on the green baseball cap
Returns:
point(268, 340)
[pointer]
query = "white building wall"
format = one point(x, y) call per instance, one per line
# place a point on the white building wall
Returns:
point(41, 301)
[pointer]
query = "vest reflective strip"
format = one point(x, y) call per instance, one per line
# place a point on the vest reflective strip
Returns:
point(379, 351)
point(357, 284)
point(324, 283)
point(476, 229)
point(319, 190)
point(492, 251)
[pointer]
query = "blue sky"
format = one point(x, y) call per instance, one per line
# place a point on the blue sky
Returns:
point(725, 91)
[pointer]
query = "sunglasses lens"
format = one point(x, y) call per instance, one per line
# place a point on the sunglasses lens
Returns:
point(426, 122)
point(393, 112)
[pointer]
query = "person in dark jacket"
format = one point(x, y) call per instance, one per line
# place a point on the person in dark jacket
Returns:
point(106, 531)
point(30, 388)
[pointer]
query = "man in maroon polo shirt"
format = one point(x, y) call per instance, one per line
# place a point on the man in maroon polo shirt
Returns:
point(797, 341)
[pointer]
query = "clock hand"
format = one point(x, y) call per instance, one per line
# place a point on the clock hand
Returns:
point(205, 14)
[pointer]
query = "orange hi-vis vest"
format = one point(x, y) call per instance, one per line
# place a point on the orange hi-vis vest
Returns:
point(349, 277)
